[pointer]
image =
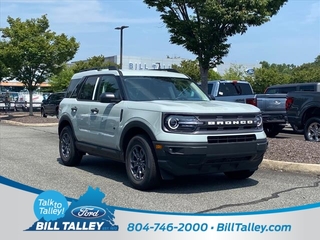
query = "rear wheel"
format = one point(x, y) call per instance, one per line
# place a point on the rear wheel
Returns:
point(312, 130)
point(141, 164)
point(69, 154)
point(239, 174)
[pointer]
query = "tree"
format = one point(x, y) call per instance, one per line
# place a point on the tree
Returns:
point(4, 71)
point(33, 53)
point(203, 26)
point(92, 62)
point(60, 82)
point(235, 72)
point(308, 72)
point(192, 69)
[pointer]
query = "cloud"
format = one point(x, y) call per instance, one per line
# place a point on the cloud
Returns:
point(314, 13)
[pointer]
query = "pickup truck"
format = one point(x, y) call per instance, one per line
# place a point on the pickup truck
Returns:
point(272, 106)
point(273, 111)
point(303, 111)
point(230, 90)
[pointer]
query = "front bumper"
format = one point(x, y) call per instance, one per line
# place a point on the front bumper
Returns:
point(177, 159)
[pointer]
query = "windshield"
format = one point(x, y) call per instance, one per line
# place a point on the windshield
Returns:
point(163, 88)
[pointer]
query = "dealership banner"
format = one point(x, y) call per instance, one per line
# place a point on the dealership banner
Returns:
point(48, 214)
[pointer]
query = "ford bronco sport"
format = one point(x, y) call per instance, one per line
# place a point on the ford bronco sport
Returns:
point(160, 124)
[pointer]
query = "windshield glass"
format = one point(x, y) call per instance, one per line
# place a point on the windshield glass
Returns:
point(163, 88)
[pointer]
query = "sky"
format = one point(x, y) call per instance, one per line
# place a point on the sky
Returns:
point(291, 37)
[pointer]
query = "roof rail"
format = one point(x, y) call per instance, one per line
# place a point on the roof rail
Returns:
point(166, 69)
point(99, 68)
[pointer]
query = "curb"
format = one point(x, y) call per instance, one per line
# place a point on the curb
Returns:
point(29, 124)
point(291, 166)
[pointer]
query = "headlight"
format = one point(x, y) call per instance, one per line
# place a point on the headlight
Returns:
point(178, 123)
point(259, 121)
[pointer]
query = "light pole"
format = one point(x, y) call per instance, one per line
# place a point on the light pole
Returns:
point(121, 41)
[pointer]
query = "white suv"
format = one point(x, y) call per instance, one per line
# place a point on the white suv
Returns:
point(160, 124)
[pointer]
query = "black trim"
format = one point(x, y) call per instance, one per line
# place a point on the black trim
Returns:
point(110, 154)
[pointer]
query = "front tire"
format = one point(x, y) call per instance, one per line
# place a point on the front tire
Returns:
point(239, 175)
point(312, 130)
point(69, 154)
point(272, 130)
point(42, 113)
point(141, 164)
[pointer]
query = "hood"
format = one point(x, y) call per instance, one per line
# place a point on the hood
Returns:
point(201, 107)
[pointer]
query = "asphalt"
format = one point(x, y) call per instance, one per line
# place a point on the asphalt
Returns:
point(266, 163)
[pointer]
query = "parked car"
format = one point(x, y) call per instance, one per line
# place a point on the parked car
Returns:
point(50, 106)
point(303, 110)
point(159, 124)
point(230, 90)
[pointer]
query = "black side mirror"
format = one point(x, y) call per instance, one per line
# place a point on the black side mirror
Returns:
point(108, 97)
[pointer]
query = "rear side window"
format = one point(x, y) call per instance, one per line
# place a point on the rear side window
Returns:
point(87, 88)
point(232, 89)
point(307, 88)
point(280, 90)
point(72, 86)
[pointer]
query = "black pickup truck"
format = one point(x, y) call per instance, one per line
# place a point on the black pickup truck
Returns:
point(303, 111)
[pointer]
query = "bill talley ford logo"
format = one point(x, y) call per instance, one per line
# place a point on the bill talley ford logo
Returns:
point(88, 212)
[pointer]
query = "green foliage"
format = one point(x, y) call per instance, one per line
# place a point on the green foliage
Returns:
point(203, 26)
point(4, 71)
point(33, 53)
point(192, 69)
point(60, 82)
point(234, 72)
point(93, 62)
point(308, 72)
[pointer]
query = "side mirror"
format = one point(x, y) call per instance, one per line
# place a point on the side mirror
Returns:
point(108, 97)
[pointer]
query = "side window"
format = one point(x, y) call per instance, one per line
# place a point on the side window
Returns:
point(107, 83)
point(87, 89)
point(307, 88)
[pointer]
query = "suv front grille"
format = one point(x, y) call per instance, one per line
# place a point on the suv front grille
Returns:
point(232, 122)
point(231, 139)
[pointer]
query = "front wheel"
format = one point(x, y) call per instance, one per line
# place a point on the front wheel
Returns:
point(312, 130)
point(69, 154)
point(141, 164)
point(238, 175)
point(43, 113)
point(272, 130)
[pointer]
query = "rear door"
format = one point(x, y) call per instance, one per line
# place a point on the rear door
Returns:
point(80, 108)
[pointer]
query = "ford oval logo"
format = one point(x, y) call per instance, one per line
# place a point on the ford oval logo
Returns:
point(88, 212)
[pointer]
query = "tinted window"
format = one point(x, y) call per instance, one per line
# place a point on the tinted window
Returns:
point(232, 89)
point(72, 86)
point(107, 83)
point(281, 90)
point(307, 88)
point(210, 86)
point(87, 88)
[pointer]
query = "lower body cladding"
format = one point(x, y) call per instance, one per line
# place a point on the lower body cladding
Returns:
point(177, 159)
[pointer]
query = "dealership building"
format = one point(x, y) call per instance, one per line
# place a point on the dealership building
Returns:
point(141, 63)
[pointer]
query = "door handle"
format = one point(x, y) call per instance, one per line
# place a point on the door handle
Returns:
point(95, 110)
point(74, 109)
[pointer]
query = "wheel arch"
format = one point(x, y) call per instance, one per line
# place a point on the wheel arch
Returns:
point(313, 111)
point(63, 122)
point(132, 129)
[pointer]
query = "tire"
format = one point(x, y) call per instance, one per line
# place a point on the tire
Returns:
point(272, 130)
point(141, 166)
point(238, 175)
point(42, 113)
point(296, 129)
point(69, 154)
point(312, 130)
